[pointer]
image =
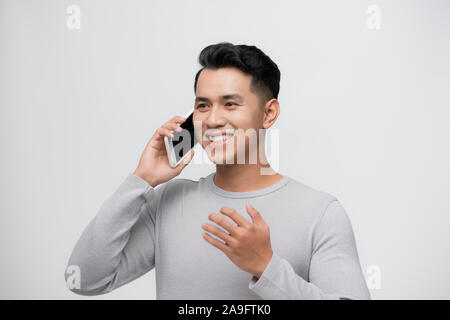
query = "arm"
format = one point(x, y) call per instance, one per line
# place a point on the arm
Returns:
point(335, 271)
point(118, 245)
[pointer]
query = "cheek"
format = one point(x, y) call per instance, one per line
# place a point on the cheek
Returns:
point(243, 120)
point(199, 127)
point(247, 123)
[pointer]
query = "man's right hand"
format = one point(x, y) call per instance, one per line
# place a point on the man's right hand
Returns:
point(154, 165)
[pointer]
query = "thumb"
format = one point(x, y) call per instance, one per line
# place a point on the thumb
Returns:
point(186, 160)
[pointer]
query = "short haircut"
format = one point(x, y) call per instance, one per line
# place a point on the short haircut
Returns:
point(249, 59)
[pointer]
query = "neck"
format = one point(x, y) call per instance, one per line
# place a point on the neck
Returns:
point(245, 177)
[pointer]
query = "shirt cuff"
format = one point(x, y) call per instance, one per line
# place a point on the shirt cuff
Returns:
point(134, 181)
point(258, 285)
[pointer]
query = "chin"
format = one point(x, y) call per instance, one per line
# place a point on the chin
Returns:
point(226, 155)
point(221, 159)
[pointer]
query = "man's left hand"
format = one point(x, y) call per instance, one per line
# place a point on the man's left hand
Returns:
point(246, 244)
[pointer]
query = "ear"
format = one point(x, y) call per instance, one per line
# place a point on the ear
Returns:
point(271, 112)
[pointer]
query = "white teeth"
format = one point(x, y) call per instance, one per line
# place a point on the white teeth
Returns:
point(220, 138)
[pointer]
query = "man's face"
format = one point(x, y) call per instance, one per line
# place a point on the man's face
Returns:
point(224, 104)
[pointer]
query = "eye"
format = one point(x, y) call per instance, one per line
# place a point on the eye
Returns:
point(229, 103)
point(200, 105)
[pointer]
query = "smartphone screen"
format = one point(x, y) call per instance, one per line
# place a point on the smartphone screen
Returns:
point(184, 140)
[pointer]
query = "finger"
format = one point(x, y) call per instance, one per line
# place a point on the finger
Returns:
point(235, 216)
point(224, 223)
point(177, 119)
point(256, 217)
point(161, 133)
point(216, 243)
point(164, 132)
point(172, 126)
point(156, 136)
point(186, 160)
point(217, 232)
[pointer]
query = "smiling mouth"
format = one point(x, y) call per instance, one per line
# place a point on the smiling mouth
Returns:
point(218, 140)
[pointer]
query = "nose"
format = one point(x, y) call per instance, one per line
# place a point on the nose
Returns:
point(215, 118)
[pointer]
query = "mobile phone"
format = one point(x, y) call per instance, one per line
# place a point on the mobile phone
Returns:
point(182, 142)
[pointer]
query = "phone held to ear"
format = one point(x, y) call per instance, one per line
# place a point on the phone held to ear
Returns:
point(182, 142)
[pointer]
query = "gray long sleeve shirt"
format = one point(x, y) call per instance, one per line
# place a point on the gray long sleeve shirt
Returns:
point(139, 228)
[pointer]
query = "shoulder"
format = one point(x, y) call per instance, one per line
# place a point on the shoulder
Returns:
point(177, 187)
point(330, 221)
point(317, 206)
point(310, 197)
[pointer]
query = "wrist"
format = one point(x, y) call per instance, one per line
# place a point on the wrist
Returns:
point(259, 273)
point(152, 182)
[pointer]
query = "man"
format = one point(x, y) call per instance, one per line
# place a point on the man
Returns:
point(243, 232)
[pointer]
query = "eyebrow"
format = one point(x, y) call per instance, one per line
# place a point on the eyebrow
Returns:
point(225, 97)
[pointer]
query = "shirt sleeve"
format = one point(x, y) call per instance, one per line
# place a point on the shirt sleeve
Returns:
point(118, 245)
point(335, 271)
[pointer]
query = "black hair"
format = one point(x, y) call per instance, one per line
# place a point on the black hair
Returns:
point(249, 59)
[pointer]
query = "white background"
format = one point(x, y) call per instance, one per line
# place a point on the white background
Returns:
point(366, 113)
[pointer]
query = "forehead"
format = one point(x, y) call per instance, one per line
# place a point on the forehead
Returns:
point(213, 82)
